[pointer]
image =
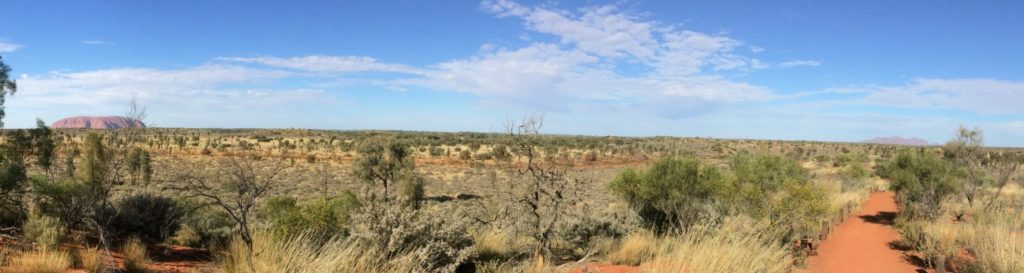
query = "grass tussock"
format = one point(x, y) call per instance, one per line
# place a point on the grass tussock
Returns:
point(93, 260)
point(305, 254)
point(737, 246)
point(41, 262)
point(135, 256)
point(635, 248)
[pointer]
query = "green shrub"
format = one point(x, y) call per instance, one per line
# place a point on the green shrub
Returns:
point(65, 199)
point(149, 217)
point(46, 232)
point(317, 217)
point(672, 191)
point(922, 181)
point(212, 226)
point(775, 188)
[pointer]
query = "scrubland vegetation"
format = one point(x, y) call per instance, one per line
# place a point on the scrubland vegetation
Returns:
point(518, 201)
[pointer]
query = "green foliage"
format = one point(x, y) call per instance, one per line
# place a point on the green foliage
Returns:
point(46, 232)
point(7, 86)
point(672, 191)
point(204, 226)
point(65, 199)
point(384, 163)
point(318, 217)
point(95, 158)
point(149, 217)
point(922, 182)
point(775, 188)
point(139, 164)
point(410, 190)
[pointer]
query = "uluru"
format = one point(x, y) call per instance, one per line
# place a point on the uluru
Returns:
point(897, 140)
point(87, 122)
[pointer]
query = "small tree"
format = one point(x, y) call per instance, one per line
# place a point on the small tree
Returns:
point(384, 163)
point(541, 196)
point(236, 186)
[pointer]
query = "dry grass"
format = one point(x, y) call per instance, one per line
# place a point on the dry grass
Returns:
point(135, 256)
point(738, 246)
point(41, 262)
point(93, 260)
point(635, 248)
point(493, 244)
point(997, 250)
point(305, 255)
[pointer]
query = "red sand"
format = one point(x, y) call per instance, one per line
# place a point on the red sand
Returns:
point(861, 242)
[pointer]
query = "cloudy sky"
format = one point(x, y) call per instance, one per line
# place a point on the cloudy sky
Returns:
point(730, 69)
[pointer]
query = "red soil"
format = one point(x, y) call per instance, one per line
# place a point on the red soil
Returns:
point(861, 243)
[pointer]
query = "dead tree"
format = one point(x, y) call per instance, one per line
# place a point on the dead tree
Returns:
point(236, 185)
point(540, 196)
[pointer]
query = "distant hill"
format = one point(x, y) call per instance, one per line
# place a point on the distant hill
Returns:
point(898, 140)
point(112, 122)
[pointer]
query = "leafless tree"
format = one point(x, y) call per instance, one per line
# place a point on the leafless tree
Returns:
point(235, 185)
point(541, 194)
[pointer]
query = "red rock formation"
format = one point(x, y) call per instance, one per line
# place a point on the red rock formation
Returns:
point(98, 122)
point(897, 140)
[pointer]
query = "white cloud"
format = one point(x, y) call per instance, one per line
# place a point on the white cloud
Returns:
point(985, 96)
point(327, 64)
point(8, 47)
point(794, 63)
point(97, 43)
point(208, 87)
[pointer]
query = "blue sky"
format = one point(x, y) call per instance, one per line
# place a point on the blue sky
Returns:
point(812, 70)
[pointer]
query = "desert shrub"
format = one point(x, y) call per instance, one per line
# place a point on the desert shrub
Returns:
point(465, 155)
point(318, 217)
point(64, 199)
point(135, 256)
point(672, 191)
point(922, 182)
point(410, 190)
point(583, 234)
point(40, 262)
point(846, 159)
point(212, 226)
point(440, 246)
point(776, 189)
point(46, 232)
point(149, 217)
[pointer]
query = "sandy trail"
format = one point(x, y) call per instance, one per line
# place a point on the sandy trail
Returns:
point(861, 242)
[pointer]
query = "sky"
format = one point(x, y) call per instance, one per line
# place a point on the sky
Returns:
point(791, 70)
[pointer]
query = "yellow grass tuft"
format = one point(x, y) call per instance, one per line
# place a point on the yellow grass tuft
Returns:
point(93, 260)
point(135, 256)
point(41, 262)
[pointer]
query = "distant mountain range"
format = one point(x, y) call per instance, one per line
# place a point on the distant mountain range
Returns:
point(112, 122)
point(898, 140)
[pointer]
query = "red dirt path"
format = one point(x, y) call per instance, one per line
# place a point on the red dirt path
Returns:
point(861, 242)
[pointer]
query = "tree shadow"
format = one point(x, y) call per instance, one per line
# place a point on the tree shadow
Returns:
point(881, 218)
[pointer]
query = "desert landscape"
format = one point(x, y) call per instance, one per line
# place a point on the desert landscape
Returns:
point(619, 137)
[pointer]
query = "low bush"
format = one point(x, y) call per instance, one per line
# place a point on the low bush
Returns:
point(672, 191)
point(149, 217)
point(922, 181)
point(46, 232)
point(317, 217)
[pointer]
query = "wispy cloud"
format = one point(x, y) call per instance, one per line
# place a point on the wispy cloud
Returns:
point(209, 87)
point(983, 96)
point(8, 47)
point(799, 63)
point(327, 64)
point(97, 43)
